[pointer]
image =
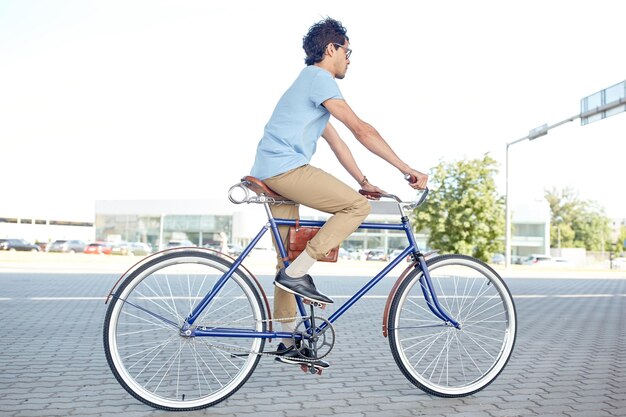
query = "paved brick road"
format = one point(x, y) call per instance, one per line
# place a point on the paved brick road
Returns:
point(569, 359)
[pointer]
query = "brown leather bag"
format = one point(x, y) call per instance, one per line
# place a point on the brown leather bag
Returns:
point(299, 236)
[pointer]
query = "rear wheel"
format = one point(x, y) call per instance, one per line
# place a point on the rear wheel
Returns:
point(437, 357)
point(144, 346)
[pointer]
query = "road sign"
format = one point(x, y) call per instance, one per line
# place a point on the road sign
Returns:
point(604, 103)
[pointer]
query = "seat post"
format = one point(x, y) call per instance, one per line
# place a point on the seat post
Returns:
point(268, 211)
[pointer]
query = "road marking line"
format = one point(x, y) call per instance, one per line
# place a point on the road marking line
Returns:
point(66, 298)
point(371, 297)
point(584, 295)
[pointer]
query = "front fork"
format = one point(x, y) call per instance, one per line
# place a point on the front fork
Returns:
point(431, 296)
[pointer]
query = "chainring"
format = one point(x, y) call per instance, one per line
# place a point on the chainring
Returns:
point(316, 341)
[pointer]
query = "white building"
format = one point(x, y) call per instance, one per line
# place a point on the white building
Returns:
point(530, 229)
point(41, 227)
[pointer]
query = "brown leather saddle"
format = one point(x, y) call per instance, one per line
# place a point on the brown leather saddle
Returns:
point(260, 188)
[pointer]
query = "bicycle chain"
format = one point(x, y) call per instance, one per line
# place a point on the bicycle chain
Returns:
point(249, 351)
point(258, 321)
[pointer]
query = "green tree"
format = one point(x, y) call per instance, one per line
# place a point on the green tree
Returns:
point(579, 223)
point(464, 213)
point(621, 240)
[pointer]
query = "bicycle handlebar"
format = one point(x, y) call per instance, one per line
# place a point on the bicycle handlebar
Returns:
point(247, 198)
point(407, 204)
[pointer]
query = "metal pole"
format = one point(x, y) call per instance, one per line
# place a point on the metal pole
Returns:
point(530, 136)
point(507, 222)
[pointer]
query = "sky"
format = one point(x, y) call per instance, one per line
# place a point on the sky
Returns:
point(167, 100)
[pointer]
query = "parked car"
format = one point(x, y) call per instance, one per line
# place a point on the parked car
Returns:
point(234, 249)
point(397, 252)
point(100, 248)
point(178, 244)
point(517, 260)
point(376, 255)
point(498, 259)
point(67, 246)
point(131, 249)
point(537, 260)
point(18, 245)
point(356, 254)
point(619, 263)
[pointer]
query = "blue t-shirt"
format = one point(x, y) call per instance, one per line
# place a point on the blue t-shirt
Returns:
point(298, 121)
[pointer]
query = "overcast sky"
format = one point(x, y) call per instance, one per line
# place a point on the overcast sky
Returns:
point(168, 99)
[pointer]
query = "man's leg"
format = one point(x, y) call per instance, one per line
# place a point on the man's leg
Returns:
point(284, 302)
point(316, 188)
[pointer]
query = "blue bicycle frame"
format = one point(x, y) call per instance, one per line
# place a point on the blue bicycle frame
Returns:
point(273, 224)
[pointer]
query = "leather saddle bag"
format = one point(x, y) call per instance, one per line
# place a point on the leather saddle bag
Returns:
point(299, 236)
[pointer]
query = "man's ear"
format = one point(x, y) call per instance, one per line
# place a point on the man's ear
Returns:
point(330, 50)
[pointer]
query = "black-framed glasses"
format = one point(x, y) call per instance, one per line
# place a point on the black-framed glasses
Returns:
point(348, 50)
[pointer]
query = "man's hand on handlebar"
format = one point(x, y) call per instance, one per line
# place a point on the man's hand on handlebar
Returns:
point(372, 189)
point(416, 179)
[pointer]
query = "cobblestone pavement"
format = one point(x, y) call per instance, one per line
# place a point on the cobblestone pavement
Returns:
point(569, 359)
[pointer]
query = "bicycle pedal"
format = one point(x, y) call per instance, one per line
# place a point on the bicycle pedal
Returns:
point(314, 303)
point(311, 369)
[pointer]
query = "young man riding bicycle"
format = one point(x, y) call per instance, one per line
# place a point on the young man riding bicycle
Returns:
point(283, 154)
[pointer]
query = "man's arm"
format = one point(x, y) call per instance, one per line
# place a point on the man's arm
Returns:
point(342, 152)
point(345, 157)
point(371, 139)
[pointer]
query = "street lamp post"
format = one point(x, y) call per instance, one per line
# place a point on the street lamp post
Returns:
point(607, 102)
point(532, 135)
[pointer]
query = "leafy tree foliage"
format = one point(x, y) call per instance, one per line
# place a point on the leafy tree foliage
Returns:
point(620, 245)
point(579, 223)
point(464, 213)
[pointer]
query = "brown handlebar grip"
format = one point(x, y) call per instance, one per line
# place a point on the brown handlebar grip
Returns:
point(410, 178)
point(373, 194)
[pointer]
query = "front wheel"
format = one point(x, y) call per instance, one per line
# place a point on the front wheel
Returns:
point(441, 359)
point(164, 367)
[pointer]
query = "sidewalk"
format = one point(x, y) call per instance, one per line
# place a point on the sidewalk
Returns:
point(265, 265)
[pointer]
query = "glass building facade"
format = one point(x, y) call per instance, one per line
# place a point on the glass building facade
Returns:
point(200, 230)
point(157, 222)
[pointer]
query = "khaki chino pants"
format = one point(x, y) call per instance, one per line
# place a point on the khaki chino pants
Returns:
point(317, 189)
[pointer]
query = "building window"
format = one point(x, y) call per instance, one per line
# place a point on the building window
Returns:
point(530, 230)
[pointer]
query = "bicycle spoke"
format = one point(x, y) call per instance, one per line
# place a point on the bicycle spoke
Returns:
point(159, 364)
point(160, 324)
point(453, 361)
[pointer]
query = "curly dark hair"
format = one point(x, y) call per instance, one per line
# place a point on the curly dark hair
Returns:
point(319, 36)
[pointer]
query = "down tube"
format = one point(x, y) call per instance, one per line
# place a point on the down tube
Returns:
point(345, 306)
point(220, 283)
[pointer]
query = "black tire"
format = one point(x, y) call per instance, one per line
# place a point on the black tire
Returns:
point(441, 359)
point(143, 342)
